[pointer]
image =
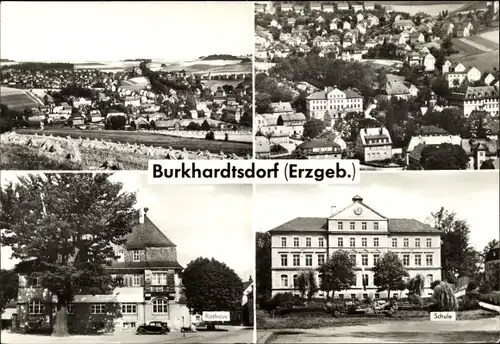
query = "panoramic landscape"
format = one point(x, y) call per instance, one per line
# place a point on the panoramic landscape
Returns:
point(369, 263)
point(152, 276)
point(398, 85)
point(74, 109)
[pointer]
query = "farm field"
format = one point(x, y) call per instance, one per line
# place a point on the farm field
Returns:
point(432, 8)
point(465, 48)
point(491, 36)
point(16, 99)
point(485, 60)
point(484, 42)
point(190, 144)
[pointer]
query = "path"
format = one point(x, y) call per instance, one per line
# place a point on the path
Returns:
point(474, 44)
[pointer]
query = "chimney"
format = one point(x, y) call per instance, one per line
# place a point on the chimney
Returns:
point(334, 208)
point(142, 214)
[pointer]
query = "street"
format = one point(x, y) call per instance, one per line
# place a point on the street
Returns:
point(462, 331)
point(233, 335)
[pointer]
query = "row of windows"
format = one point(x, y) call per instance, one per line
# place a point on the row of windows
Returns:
point(160, 306)
point(352, 241)
point(429, 259)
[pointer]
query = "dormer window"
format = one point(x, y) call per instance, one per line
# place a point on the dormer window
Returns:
point(136, 256)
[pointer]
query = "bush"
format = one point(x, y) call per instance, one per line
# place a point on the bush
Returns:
point(283, 301)
point(471, 286)
point(210, 136)
point(415, 299)
point(445, 297)
point(469, 303)
point(435, 283)
point(485, 287)
point(335, 308)
point(491, 298)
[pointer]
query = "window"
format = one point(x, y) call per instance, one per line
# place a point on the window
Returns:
point(295, 281)
point(71, 308)
point(364, 242)
point(352, 242)
point(418, 260)
point(406, 259)
point(364, 259)
point(35, 281)
point(375, 226)
point(352, 257)
point(340, 226)
point(296, 242)
point(284, 280)
point(406, 242)
point(363, 225)
point(97, 308)
point(129, 325)
point(136, 280)
point(340, 242)
point(352, 226)
point(309, 260)
point(376, 257)
point(417, 242)
point(35, 307)
point(365, 280)
point(283, 242)
point(296, 260)
point(429, 279)
point(158, 279)
point(353, 296)
point(394, 242)
point(129, 308)
point(341, 296)
point(160, 306)
point(365, 296)
point(308, 242)
point(428, 242)
point(321, 242)
point(321, 259)
point(284, 260)
point(136, 256)
point(428, 260)
point(375, 242)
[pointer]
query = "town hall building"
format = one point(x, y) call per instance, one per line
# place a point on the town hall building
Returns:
point(305, 243)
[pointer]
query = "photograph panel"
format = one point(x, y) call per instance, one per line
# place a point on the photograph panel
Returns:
point(119, 260)
point(399, 85)
point(162, 80)
point(369, 262)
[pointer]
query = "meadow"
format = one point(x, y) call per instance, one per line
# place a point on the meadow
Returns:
point(16, 99)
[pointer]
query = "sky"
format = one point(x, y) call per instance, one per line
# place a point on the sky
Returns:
point(474, 196)
point(110, 31)
point(202, 220)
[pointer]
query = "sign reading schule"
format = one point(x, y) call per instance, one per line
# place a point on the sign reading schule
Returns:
point(261, 171)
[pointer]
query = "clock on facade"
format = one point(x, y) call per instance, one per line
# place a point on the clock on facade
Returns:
point(358, 210)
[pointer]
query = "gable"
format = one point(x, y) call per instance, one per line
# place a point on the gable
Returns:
point(147, 235)
point(336, 93)
point(357, 211)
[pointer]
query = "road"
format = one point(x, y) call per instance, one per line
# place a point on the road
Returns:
point(238, 335)
point(462, 331)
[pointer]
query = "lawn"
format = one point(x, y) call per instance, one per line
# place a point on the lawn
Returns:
point(491, 36)
point(16, 99)
point(464, 48)
point(178, 143)
point(485, 61)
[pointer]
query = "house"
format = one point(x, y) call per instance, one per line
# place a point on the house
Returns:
point(480, 150)
point(447, 65)
point(247, 302)
point(492, 259)
point(412, 88)
point(403, 24)
point(487, 78)
point(471, 98)
point(321, 148)
point(356, 7)
point(428, 136)
point(455, 79)
point(369, 6)
point(393, 89)
point(462, 31)
point(260, 8)
point(80, 102)
point(352, 53)
point(413, 59)
point(417, 37)
point(359, 16)
point(315, 6)
point(232, 114)
point(429, 62)
point(346, 228)
point(273, 23)
point(328, 8)
point(281, 108)
point(149, 287)
point(346, 25)
point(262, 147)
point(333, 25)
point(334, 102)
point(286, 7)
point(298, 8)
point(343, 6)
point(473, 74)
point(374, 144)
point(295, 121)
point(370, 43)
point(373, 21)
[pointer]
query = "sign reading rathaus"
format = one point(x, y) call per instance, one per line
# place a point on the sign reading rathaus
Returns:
point(307, 242)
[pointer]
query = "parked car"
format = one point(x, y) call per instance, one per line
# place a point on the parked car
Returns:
point(154, 327)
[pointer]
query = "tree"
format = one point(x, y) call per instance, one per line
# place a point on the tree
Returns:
point(487, 165)
point(458, 257)
point(306, 283)
point(446, 156)
point(6, 121)
point(298, 154)
point(246, 119)
point(9, 284)
point(210, 285)
point(313, 127)
point(416, 285)
point(445, 297)
point(262, 102)
point(228, 88)
point(70, 223)
point(440, 86)
point(337, 273)
point(193, 126)
point(389, 272)
point(263, 266)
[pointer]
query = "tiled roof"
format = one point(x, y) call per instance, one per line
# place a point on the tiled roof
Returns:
point(314, 224)
point(318, 143)
point(146, 264)
point(281, 107)
point(262, 145)
point(147, 235)
point(395, 87)
point(296, 116)
point(432, 141)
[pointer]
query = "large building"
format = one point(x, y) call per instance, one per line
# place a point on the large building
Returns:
point(150, 288)
point(334, 102)
point(470, 98)
point(492, 265)
point(306, 243)
point(374, 144)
